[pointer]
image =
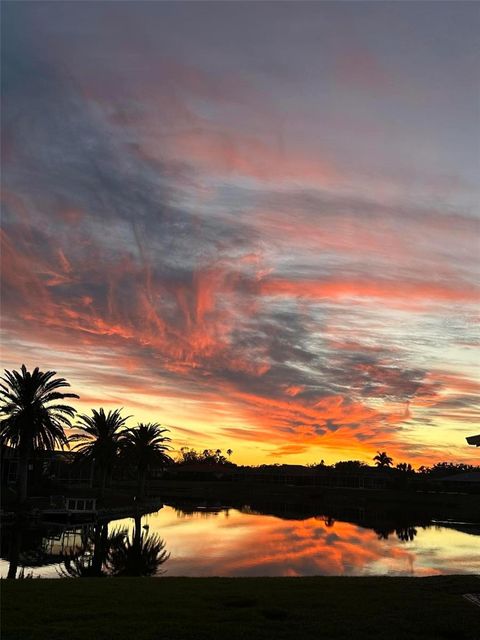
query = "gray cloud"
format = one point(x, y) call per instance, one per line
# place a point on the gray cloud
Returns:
point(108, 247)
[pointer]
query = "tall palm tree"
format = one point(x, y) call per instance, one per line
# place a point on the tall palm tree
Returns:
point(35, 420)
point(144, 446)
point(383, 460)
point(100, 440)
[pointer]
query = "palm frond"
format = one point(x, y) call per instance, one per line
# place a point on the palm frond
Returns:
point(31, 422)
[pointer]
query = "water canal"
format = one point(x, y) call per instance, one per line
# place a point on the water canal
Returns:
point(220, 541)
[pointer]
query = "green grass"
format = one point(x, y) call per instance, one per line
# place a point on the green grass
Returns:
point(234, 608)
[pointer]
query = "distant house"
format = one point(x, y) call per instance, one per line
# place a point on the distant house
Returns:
point(466, 482)
point(81, 505)
point(47, 470)
point(78, 501)
point(277, 474)
point(299, 475)
point(284, 474)
point(195, 471)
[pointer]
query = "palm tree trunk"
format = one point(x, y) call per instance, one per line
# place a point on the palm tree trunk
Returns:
point(14, 553)
point(137, 534)
point(142, 483)
point(92, 472)
point(103, 481)
point(99, 549)
point(23, 476)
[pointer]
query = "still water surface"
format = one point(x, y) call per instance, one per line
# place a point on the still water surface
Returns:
point(231, 542)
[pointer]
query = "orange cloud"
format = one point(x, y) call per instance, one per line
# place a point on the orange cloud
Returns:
point(393, 292)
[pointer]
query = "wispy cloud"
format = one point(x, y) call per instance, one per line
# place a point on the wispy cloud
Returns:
point(176, 244)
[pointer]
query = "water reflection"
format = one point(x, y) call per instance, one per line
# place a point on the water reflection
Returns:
point(86, 551)
point(405, 534)
point(140, 554)
point(205, 541)
point(28, 547)
point(88, 559)
point(117, 552)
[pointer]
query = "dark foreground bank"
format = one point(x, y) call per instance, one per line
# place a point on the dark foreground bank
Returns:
point(204, 608)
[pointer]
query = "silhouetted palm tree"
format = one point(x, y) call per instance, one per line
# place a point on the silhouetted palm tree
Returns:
point(383, 460)
point(405, 467)
point(145, 446)
point(406, 534)
point(35, 420)
point(100, 440)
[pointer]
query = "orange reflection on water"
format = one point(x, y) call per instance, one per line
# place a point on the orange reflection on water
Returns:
point(233, 543)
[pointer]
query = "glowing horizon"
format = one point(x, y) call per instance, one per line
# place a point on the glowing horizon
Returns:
point(254, 223)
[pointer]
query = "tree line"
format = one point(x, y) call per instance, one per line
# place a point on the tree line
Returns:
point(383, 461)
point(36, 416)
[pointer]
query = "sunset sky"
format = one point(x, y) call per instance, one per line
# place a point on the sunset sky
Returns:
point(256, 223)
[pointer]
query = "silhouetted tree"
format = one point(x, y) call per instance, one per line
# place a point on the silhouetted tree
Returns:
point(317, 465)
point(188, 456)
point(384, 533)
point(406, 534)
point(99, 441)
point(350, 465)
point(382, 460)
point(35, 420)
point(405, 467)
point(145, 446)
point(207, 456)
point(447, 469)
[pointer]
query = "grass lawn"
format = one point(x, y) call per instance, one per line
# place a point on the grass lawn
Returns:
point(231, 608)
